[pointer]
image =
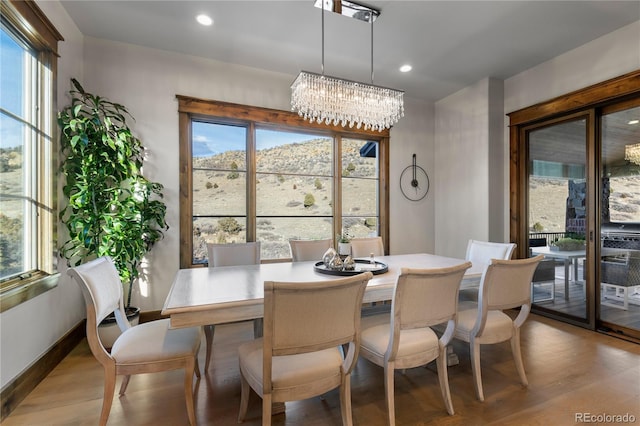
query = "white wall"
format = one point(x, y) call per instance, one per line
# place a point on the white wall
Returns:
point(607, 57)
point(30, 329)
point(465, 168)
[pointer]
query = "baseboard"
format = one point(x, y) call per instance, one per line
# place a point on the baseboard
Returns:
point(21, 386)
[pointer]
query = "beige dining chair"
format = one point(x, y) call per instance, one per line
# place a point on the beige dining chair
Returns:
point(233, 254)
point(146, 348)
point(306, 327)
point(365, 247)
point(480, 253)
point(422, 298)
point(304, 250)
point(505, 284)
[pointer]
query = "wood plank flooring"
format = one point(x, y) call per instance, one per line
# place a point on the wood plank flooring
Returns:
point(570, 370)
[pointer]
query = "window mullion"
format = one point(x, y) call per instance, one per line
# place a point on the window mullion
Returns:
point(251, 183)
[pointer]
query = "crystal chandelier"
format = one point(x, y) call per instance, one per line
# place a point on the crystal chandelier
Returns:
point(632, 153)
point(322, 98)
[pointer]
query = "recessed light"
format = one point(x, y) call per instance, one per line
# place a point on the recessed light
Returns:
point(204, 19)
point(633, 121)
point(405, 68)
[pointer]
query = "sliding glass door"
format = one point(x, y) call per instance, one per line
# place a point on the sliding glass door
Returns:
point(557, 193)
point(619, 286)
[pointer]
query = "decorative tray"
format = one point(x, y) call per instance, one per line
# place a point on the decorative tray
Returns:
point(362, 265)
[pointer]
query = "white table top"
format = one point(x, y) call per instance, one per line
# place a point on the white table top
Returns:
point(559, 254)
point(575, 254)
point(201, 296)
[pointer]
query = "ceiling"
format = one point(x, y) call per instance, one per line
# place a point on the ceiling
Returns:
point(450, 44)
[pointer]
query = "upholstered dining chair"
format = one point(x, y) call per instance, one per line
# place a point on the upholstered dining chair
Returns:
point(364, 247)
point(480, 253)
point(233, 254)
point(310, 344)
point(505, 284)
point(422, 298)
point(146, 348)
point(304, 250)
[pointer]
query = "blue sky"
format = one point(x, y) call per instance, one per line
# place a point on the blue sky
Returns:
point(10, 88)
point(211, 139)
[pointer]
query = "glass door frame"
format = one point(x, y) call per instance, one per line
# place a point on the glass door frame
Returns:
point(588, 102)
point(589, 267)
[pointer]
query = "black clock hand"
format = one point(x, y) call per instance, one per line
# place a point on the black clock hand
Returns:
point(414, 181)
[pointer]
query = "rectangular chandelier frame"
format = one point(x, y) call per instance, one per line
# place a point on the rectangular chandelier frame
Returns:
point(328, 99)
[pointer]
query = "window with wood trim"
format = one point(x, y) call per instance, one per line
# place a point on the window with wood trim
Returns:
point(254, 174)
point(28, 44)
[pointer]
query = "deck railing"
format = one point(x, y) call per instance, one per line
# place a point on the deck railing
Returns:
point(549, 236)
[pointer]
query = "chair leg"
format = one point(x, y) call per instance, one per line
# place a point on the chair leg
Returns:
point(244, 397)
point(196, 370)
point(443, 378)
point(107, 398)
point(517, 356)
point(188, 390)
point(389, 392)
point(124, 384)
point(208, 334)
point(257, 327)
point(266, 409)
point(474, 350)
point(345, 401)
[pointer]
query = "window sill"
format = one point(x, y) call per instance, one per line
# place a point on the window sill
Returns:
point(35, 287)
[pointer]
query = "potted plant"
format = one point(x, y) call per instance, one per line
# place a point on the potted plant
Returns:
point(112, 209)
point(568, 244)
point(344, 243)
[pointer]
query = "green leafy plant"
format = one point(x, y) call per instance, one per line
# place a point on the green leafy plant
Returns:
point(112, 209)
point(344, 238)
point(569, 244)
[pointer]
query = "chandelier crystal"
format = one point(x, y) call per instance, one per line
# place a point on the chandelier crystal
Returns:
point(632, 153)
point(333, 100)
point(342, 102)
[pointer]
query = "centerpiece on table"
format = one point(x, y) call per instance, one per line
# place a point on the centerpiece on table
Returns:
point(344, 244)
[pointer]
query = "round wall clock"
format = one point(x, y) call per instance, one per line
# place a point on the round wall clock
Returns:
point(414, 182)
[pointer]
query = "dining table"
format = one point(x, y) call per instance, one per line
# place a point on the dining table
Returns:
point(202, 296)
point(226, 294)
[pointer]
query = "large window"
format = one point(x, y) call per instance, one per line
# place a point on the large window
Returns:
point(250, 174)
point(27, 210)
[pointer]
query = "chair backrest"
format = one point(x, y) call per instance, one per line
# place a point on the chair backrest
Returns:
point(506, 284)
point(102, 291)
point(363, 247)
point(233, 254)
point(304, 250)
point(302, 317)
point(425, 297)
point(481, 252)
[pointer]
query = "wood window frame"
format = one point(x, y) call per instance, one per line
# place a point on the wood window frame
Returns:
point(190, 108)
point(32, 24)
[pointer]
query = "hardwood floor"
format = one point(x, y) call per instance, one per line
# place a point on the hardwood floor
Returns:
point(570, 370)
